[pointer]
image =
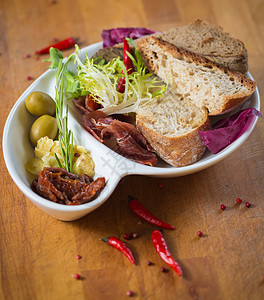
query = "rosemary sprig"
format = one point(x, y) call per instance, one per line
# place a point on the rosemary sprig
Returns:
point(65, 135)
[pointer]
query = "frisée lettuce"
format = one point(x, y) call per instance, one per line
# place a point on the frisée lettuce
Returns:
point(100, 79)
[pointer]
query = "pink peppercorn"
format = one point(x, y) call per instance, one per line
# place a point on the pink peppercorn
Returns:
point(78, 256)
point(29, 77)
point(163, 270)
point(135, 235)
point(130, 293)
point(161, 185)
point(238, 200)
point(199, 233)
point(150, 263)
point(223, 207)
point(27, 55)
point(248, 204)
point(77, 276)
point(128, 236)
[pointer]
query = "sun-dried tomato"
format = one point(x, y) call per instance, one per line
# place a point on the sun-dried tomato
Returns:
point(60, 186)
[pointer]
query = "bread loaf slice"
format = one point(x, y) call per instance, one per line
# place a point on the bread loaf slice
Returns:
point(171, 125)
point(208, 84)
point(210, 41)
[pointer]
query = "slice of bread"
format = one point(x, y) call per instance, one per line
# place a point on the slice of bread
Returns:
point(171, 125)
point(210, 41)
point(208, 84)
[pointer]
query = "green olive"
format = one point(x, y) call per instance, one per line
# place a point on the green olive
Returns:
point(43, 126)
point(39, 103)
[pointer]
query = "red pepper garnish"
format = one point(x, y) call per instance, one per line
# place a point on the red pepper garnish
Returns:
point(121, 246)
point(121, 85)
point(126, 59)
point(62, 45)
point(128, 65)
point(162, 249)
point(141, 211)
point(91, 104)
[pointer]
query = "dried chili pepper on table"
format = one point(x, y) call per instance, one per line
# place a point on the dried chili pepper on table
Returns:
point(162, 249)
point(62, 45)
point(121, 246)
point(128, 65)
point(141, 211)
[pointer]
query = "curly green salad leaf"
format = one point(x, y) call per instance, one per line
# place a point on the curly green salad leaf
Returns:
point(100, 79)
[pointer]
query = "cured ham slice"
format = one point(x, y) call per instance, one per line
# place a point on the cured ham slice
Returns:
point(128, 142)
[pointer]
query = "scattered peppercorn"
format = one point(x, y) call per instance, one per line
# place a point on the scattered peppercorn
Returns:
point(129, 293)
point(76, 154)
point(29, 77)
point(164, 270)
point(248, 204)
point(150, 263)
point(223, 207)
point(199, 233)
point(55, 39)
point(76, 276)
point(78, 256)
point(238, 200)
point(127, 236)
point(161, 185)
point(27, 55)
point(135, 235)
point(130, 236)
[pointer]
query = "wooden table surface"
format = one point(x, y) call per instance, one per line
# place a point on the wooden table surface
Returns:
point(38, 252)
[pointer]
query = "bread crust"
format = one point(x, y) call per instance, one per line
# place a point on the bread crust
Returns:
point(177, 151)
point(230, 102)
point(210, 41)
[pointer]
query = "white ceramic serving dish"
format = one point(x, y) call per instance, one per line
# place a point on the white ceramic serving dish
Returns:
point(17, 151)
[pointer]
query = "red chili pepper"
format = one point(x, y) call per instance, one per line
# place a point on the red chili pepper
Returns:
point(62, 45)
point(161, 247)
point(143, 213)
point(121, 246)
point(128, 65)
point(121, 85)
point(127, 60)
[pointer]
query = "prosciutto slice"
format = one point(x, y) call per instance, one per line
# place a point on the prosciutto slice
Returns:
point(125, 139)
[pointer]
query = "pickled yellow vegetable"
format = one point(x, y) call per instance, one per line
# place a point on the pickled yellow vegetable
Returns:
point(44, 157)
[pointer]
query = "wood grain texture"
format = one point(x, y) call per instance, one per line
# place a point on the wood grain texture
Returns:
point(38, 252)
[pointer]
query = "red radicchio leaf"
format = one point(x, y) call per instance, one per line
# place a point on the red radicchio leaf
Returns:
point(226, 131)
point(115, 36)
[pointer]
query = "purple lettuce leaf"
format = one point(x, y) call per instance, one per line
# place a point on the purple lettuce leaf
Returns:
point(115, 36)
point(226, 131)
